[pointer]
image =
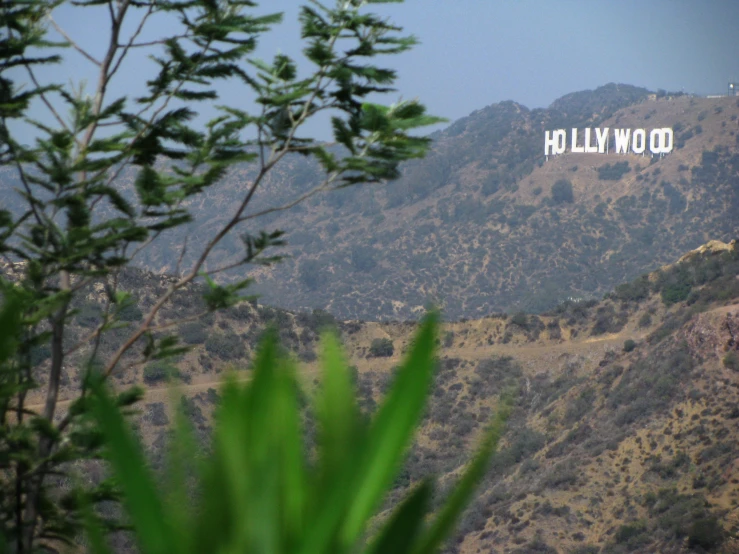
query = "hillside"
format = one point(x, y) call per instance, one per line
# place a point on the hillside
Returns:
point(475, 227)
point(624, 435)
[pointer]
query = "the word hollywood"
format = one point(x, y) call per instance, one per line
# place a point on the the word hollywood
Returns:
point(660, 141)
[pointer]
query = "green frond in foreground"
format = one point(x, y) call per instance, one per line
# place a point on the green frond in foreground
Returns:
point(256, 490)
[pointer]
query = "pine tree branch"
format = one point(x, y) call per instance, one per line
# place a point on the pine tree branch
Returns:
point(72, 42)
point(325, 186)
point(103, 76)
point(127, 47)
point(45, 100)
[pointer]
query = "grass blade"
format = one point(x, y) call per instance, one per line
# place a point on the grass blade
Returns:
point(338, 414)
point(181, 463)
point(288, 443)
point(128, 463)
point(392, 430)
point(456, 503)
point(399, 534)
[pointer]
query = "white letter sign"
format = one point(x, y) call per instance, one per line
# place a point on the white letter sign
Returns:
point(622, 140)
point(602, 136)
point(639, 144)
point(588, 147)
point(661, 141)
point(575, 148)
point(555, 144)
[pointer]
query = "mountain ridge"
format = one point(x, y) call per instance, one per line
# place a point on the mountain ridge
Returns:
point(623, 433)
point(477, 226)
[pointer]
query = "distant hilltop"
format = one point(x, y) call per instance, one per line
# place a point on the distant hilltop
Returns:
point(485, 223)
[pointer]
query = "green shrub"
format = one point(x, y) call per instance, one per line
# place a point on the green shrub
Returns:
point(613, 172)
point(633, 535)
point(193, 333)
point(629, 345)
point(520, 319)
point(158, 371)
point(317, 320)
point(381, 348)
point(562, 475)
point(608, 321)
point(580, 406)
point(227, 346)
point(363, 258)
point(130, 312)
point(645, 320)
point(307, 355)
point(635, 291)
point(491, 184)
point(562, 192)
point(310, 273)
point(448, 339)
point(256, 470)
point(676, 292)
point(524, 444)
point(706, 533)
point(89, 315)
point(731, 360)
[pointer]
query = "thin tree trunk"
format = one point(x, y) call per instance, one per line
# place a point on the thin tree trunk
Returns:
point(46, 444)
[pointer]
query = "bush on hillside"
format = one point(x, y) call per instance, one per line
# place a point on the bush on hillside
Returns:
point(89, 314)
point(633, 535)
point(635, 291)
point(309, 274)
point(157, 371)
point(227, 346)
point(562, 192)
point(131, 313)
point(731, 361)
point(645, 320)
point(317, 320)
point(381, 348)
point(706, 533)
point(520, 319)
point(613, 172)
point(363, 258)
point(193, 333)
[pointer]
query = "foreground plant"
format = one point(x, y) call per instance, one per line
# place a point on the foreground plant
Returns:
point(72, 228)
point(257, 491)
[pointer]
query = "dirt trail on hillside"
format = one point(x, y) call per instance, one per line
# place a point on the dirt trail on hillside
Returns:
point(543, 351)
point(202, 383)
point(156, 393)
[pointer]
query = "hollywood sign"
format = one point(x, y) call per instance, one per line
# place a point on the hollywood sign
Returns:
point(659, 141)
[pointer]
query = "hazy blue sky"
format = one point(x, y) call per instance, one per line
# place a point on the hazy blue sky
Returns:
point(477, 52)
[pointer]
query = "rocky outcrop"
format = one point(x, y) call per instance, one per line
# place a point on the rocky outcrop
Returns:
point(711, 335)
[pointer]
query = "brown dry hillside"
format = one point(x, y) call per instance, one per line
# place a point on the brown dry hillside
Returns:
point(625, 432)
point(475, 227)
point(482, 235)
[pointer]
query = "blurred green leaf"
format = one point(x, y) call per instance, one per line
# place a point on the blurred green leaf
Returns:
point(258, 492)
point(143, 503)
